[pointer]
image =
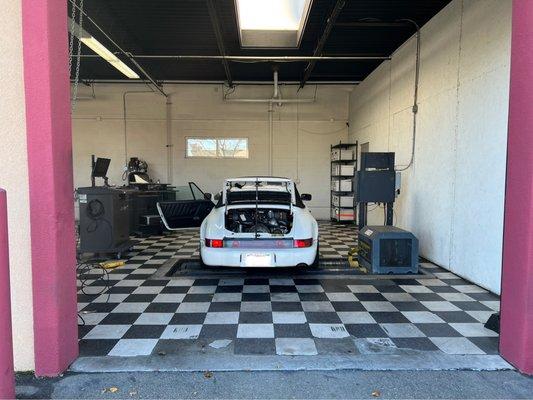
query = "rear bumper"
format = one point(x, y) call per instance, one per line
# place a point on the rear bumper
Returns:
point(228, 257)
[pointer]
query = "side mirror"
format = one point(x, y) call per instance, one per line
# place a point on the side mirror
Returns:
point(306, 197)
point(208, 196)
point(217, 196)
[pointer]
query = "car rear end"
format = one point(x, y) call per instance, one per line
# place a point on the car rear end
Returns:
point(223, 247)
point(258, 225)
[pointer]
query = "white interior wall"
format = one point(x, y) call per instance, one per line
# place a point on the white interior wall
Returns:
point(302, 133)
point(452, 197)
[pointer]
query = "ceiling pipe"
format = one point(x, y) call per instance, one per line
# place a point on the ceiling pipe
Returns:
point(270, 138)
point(254, 58)
point(276, 92)
point(276, 98)
point(128, 55)
point(374, 24)
point(218, 82)
point(211, 7)
point(277, 101)
point(322, 41)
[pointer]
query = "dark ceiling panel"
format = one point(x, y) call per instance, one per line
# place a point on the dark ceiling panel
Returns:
point(183, 27)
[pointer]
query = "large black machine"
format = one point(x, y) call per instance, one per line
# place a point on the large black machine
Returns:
point(383, 249)
point(104, 214)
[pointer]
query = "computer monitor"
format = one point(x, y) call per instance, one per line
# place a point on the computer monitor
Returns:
point(100, 167)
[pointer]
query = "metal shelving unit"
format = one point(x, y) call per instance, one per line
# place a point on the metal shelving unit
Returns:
point(343, 168)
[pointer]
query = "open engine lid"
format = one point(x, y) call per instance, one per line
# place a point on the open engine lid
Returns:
point(259, 190)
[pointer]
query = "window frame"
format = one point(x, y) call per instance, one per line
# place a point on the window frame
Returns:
point(216, 139)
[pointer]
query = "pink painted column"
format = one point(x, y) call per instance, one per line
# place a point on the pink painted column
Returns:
point(516, 331)
point(49, 137)
point(7, 378)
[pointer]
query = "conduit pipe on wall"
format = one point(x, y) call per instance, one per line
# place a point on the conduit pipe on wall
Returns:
point(415, 95)
point(276, 91)
point(169, 140)
point(270, 137)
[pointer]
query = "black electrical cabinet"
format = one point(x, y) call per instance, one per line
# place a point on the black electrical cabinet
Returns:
point(375, 182)
point(104, 220)
point(375, 186)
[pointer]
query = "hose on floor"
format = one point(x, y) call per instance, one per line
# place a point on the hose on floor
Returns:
point(353, 261)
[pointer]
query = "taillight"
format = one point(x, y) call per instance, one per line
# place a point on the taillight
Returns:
point(214, 243)
point(299, 243)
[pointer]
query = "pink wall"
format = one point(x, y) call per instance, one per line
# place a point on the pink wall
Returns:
point(516, 336)
point(7, 379)
point(49, 140)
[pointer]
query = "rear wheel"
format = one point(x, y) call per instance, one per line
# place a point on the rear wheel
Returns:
point(316, 261)
point(202, 264)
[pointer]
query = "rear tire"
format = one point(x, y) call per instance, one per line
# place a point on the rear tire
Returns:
point(316, 261)
point(202, 264)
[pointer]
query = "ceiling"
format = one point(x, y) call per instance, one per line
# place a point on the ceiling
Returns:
point(184, 27)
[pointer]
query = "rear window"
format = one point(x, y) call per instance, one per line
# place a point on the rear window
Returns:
point(246, 197)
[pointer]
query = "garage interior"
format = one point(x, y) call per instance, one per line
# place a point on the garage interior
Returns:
point(372, 68)
point(390, 117)
point(375, 75)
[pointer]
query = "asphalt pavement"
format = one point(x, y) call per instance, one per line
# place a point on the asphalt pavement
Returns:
point(342, 384)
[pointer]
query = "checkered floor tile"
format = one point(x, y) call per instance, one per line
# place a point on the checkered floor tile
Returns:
point(279, 315)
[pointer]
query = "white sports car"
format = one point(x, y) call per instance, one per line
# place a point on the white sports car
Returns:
point(259, 222)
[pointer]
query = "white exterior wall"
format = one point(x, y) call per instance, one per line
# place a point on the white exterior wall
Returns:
point(301, 135)
point(14, 178)
point(452, 197)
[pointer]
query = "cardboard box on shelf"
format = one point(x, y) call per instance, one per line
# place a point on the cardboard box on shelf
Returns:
point(341, 154)
point(343, 201)
point(341, 185)
point(340, 169)
point(343, 214)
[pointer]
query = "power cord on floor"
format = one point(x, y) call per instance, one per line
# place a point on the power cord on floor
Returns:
point(85, 272)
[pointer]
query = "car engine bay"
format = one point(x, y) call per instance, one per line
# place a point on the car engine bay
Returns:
point(261, 220)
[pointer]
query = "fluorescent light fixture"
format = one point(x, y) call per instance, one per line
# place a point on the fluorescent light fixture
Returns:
point(272, 23)
point(101, 50)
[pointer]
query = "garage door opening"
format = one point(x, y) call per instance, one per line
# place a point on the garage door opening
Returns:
point(163, 304)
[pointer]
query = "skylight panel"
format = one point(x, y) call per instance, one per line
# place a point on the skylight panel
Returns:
point(272, 23)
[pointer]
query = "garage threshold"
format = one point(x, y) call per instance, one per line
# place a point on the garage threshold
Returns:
point(419, 361)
